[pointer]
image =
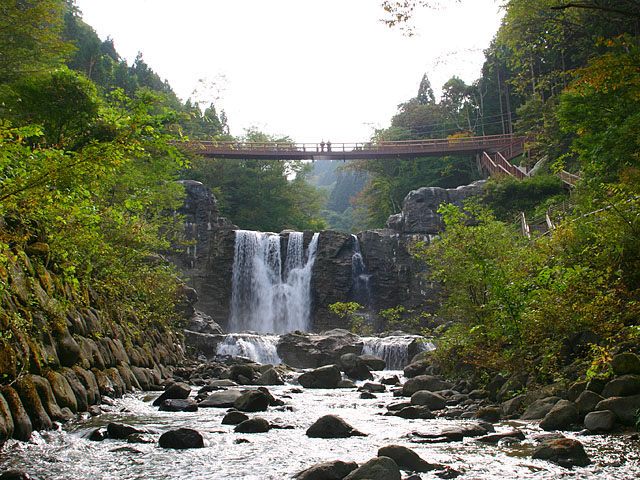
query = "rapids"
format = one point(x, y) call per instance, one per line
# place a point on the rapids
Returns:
point(68, 454)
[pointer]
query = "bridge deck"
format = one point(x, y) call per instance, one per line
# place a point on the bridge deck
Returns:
point(507, 144)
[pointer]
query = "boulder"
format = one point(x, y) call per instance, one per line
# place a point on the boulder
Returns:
point(181, 439)
point(253, 425)
point(22, 427)
point(6, 421)
point(416, 368)
point(221, 399)
point(334, 470)
point(270, 377)
point(496, 437)
point(429, 399)
point(353, 366)
point(414, 412)
point(178, 405)
point(563, 415)
point(538, 409)
point(623, 386)
point(88, 380)
point(332, 426)
point(178, 391)
point(303, 350)
point(234, 418)
point(575, 390)
point(625, 408)
point(488, 414)
point(379, 468)
point(16, 475)
point(406, 459)
point(373, 387)
point(456, 434)
point(424, 382)
point(120, 431)
point(587, 401)
point(626, 363)
point(79, 391)
point(323, 377)
point(602, 421)
point(373, 362)
point(253, 401)
point(563, 451)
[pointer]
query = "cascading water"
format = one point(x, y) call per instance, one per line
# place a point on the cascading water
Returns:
point(259, 348)
point(361, 291)
point(265, 297)
point(394, 349)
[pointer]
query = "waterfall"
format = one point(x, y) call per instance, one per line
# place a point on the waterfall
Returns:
point(361, 291)
point(394, 349)
point(266, 297)
point(259, 348)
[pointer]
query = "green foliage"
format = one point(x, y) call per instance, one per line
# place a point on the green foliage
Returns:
point(357, 322)
point(507, 196)
point(400, 318)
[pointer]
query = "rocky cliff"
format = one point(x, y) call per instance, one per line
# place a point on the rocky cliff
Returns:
point(394, 276)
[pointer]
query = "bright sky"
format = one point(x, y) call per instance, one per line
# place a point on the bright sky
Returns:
point(311, 69)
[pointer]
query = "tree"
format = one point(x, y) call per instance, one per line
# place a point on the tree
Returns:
point(30, 37)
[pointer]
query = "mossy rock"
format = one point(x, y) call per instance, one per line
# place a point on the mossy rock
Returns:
point(8, 360)
point(6, 420)
point(79, 390)
point(26, 389)
point(49, 400)
point(22, 427)
point(119, 386)
point(65, 396)
point(626, 363)
point(39, 250)
point(67, 349)
point(88, 380)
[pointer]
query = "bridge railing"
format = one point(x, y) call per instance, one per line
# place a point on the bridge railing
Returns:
point(490, 141)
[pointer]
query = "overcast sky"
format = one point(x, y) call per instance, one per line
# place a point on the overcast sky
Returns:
point(311, 69)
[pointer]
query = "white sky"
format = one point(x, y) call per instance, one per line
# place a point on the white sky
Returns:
point(311, 69)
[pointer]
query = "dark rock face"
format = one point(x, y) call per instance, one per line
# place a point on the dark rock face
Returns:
point(335, 470)
point(332, 426)
point(181, 439)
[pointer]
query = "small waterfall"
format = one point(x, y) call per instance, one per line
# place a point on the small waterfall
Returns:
point(361, 291)
point(266, 297)
point(394, 349)
point(259, 348)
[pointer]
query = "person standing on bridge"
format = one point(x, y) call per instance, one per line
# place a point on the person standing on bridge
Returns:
point(328, 146)
point(322, 146)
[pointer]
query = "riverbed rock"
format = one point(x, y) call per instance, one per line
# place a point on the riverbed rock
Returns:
point(332, 426)
point(564, 452)
point(373, 362)
point(601, 421)
point(413, 412)
point(455, 434)
point(497, 437)
point(416, 368)
point(253, 401)
point(22, 427)
point(269, 377)
point(406, 459)
point(323, 377)
point(625, 408)
point(234, 417)
point(562, 416)
point(334, 470)
point(177, 390)
point(538, 409)
point(627, 363)
point(430, 399)
point(354, 367)
point(587, 401)
point(16, 475)
point(120, 431)
point(178, 405)
point(622, 386)
point(181, 439)
point(425, 382)
point(303, 350)
point(488, 414)
point(379, 468)
point(253, 425)
point(221, 399)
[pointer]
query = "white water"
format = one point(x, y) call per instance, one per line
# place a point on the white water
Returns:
point(394, 350)
point(266, 297)
point(361, 291)
point(259, 348)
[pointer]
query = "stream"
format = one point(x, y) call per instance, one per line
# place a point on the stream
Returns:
point(68, 454)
